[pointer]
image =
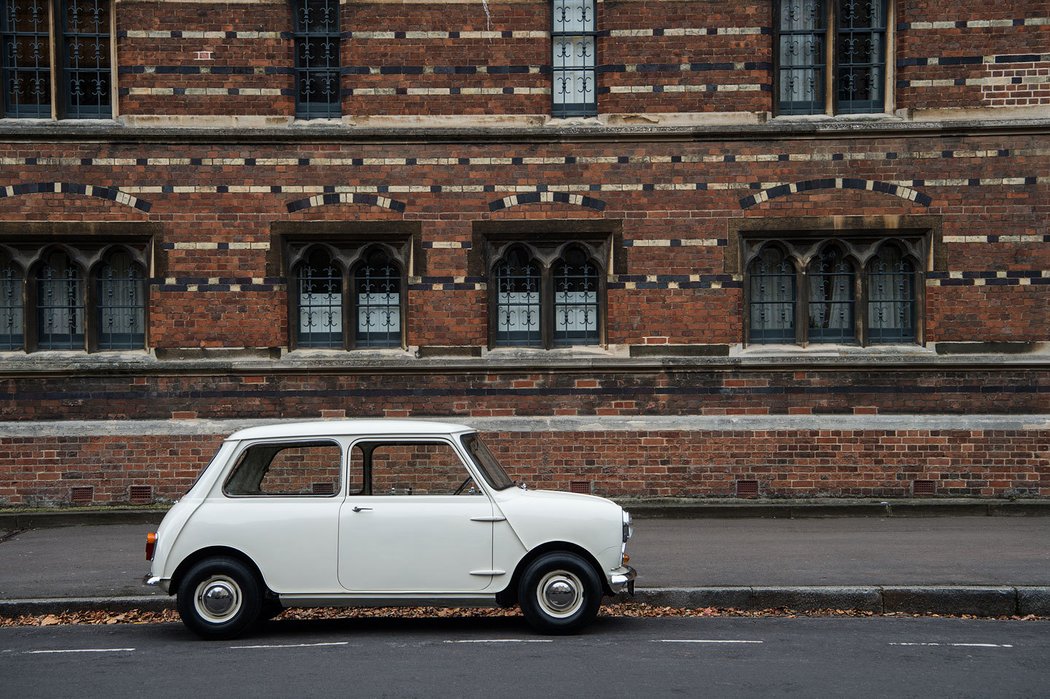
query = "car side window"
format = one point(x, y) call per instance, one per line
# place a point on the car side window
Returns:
point(287, 469)
point(412, 468)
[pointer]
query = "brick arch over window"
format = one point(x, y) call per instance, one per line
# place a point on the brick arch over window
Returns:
point(784, 190)
point(346, 198)
point(109, 193)
point(547, 197)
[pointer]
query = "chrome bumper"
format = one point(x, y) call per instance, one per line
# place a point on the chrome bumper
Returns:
point(623, 578)
point(148, 579)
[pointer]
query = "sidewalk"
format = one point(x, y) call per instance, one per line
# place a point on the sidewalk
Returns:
point(977, 565)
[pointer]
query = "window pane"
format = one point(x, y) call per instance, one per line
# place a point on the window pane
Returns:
point(60, 304)
point(320, 299)
point(86, 58)
point(11, 333)
point(287, 469)
point(891, 298)
point(801, 57)
point(576, 301)
point(26, 58)
point(772, 298)
point(861, 55)
point(518, 301)
point(121, 304)
point(831, 298)
point(317, 58)
point(378, 285)
point(574, 80)
point(424, 468)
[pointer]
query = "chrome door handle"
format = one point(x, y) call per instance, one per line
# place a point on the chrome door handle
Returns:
point(359, 509)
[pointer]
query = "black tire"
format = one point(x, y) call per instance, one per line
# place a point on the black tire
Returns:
point(219, 598)
point(559, 593)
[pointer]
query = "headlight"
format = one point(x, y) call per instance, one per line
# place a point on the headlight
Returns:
point(628, 529)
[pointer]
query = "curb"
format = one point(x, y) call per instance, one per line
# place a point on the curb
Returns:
point(985, 601)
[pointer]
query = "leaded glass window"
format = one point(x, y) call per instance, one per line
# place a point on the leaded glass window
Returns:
point(26, 58)
point(320, 301)
point(891, 297)
point(831, 298)
point(86, 58)
point(377, 281)
point(12, 334)
point(518, 300)
point(772, 297)
point(316, 33)
point(573, 41)
point(860, 61)
point(575, 300)
point(121, 299)
point(802, 56)
point(60, 303)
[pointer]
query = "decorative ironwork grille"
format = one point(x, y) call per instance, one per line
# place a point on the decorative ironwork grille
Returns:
point(518, 301)
point(831, 298)
point(86, 58)
point(12, 334)
point(316, 59)
point(378, 284)
point(121, 304)
point(860, 63)
point(891, 298)
point(320, 282)
point(573, 40)
point(26, 63)
point(772, 298)
point(803, 33)
point(60, 304)
point(575, 301)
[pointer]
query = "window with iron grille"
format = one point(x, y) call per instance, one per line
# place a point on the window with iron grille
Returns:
point(832, 56)
point(573, 55)
point(547, 296)
point(316, 32)
point(348, 294)
point(73, 35)
point(856, 289)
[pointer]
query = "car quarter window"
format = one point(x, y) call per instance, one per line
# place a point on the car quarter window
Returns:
point(412, 468)
point(287, 468)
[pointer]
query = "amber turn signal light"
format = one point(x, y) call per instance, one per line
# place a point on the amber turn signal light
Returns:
point(151, 545)
point(626, 559)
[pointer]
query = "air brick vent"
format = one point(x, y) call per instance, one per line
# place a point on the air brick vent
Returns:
point(923, 488)
point(140, 494)
point(585, 487)
point(326, 488)
point(747, 489)
point(82, 494)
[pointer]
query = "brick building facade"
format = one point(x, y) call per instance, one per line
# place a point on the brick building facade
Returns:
point(650, 247)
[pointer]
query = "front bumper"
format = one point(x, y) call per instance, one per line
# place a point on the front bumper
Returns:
point(622, 578)
point(149, 579)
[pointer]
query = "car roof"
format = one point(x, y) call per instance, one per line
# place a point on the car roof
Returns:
point(364, 427)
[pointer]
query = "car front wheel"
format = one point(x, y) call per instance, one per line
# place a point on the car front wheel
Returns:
point(219, 598)
point(559, 593)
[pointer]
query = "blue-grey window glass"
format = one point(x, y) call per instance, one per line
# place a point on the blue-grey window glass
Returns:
point(316, 33)
point(121, 300)
point(320, 302)
point(12, 335)
point(60, 303)
point(860, 56)
point(26, 65)
point(518, 300)
point(575, 300)
point(892, 304)
point(772, 297)
point(801, 48)
point(377, 281)
point(831, 298)
point(573, 40)
point(86, 73)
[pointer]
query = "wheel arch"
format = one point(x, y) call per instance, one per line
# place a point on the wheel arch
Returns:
point(216, 552)
point(508, 596)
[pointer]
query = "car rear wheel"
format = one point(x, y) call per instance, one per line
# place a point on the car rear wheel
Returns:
point(559, 593)
point(219, 598)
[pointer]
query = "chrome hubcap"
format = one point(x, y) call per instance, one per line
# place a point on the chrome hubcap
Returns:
point(560, 593)
point(218, 599)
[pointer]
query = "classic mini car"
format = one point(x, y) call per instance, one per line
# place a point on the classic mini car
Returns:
point(380, 513)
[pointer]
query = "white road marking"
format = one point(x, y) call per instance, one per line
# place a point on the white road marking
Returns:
point(702, 640)
point(83, 650)
point(958, 645)
point(293, 645)
point(504, 640)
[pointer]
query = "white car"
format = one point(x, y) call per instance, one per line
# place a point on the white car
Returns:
point(380, 513)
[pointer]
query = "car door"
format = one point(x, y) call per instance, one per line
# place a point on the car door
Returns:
point(420, 523)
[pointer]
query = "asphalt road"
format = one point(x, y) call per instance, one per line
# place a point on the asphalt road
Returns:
point(617, 657)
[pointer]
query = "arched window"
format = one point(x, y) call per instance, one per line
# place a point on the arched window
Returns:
point(121, 303)
point(518, 300)
point(891, 297)
point(772, 297)
point(12, 333)
point(319, 301)
point(59, 303)
point(377, 285)
point(575, 299)
point(831, 297)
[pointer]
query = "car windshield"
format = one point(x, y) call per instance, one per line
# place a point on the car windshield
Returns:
point(488, 463)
